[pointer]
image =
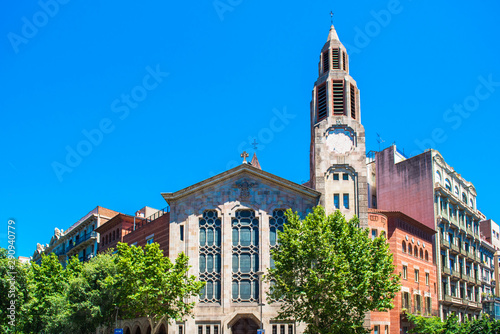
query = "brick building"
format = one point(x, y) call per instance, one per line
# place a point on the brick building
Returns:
point(411, 245)
point(427, 189)
point(136, 230)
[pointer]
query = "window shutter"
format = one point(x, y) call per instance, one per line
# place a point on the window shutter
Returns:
point(326, 61)
point(344, 65)
point(338, 97)
point(335, 59)
point(321, 101)
point(353, 102)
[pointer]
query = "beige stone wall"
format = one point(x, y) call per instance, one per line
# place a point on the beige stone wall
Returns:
point(226, 198)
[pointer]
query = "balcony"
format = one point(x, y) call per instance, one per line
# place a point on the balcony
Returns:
point(446, 271)
point(454, 300)
point(81, 242)
point(455, 249)
point(455, 274)
point(463, 252)
point(445, 243)
point(466, 277)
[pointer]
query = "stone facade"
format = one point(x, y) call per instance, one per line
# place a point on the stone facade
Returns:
point(338, 153)
point(242, 208)
point(80, 239)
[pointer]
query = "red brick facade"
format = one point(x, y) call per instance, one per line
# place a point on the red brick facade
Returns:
point(417, 293)
point(112, 232)
point(158, 229)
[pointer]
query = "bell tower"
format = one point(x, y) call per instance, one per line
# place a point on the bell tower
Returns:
point(338, 153)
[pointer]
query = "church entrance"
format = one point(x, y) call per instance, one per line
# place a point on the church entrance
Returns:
point(245, 326)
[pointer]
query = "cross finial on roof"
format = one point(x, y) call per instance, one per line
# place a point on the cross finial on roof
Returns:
point(244, 155)
point(331, 16)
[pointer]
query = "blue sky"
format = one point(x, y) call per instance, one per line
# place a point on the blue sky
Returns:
point(171, 92)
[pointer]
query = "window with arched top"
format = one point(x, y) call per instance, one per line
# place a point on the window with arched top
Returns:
point(276, 223)
point(456, 191)
point(403, 247)
point(438, 176)
point(415, 251)
point(410, 250)
point(464, 198)
point(245, 262)
point(447, 184)
point(210, 256)
point(426, 256)
point(472, 203)
point(421, 254)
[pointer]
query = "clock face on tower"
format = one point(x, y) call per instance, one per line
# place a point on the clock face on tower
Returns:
point(340, 140)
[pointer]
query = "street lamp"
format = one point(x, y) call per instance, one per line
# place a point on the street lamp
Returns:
point(260, 274)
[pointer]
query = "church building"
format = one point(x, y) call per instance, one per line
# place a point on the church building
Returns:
point(228, 224)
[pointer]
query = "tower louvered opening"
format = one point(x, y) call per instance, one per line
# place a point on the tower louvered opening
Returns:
point(335, 59)
point(353, 102)
point(321, 102)
point(326, 61)
point(338, 97)
point(344, 66)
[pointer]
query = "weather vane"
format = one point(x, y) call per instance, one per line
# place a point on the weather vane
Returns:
point(331, 17)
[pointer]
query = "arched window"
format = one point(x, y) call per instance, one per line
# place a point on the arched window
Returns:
point(410, 250)
point(210, 256)
point(472, 203)
point(421, 254)
point(118, 233)
point(113, 235)
point(438, 176)
point(456, 191)
point(426, 256)
point(415, 251)
point(464, 198)
point(447, 184)
point(403, 247)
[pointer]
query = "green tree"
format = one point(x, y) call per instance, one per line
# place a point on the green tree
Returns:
point(91, 297)
point(434, 325)
point(151, 286)
point(329, 273)
point(425, 325)
point(45, 306)
point(13, 284)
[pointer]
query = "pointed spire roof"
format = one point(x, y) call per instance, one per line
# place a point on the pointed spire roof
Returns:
point(255, 162)
point(332, 35)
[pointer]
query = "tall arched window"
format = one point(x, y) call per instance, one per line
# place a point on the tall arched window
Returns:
point(438, 176)
point(464, 198)
point(210, 257)
point(245, 282)
point(403, 247)
point(426, 256)
point(410, 249)
point(415, 251)
point(456, 191)
point(276, 223)
point(447, 184)
point(421, 254)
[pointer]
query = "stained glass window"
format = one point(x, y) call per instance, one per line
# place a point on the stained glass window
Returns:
point(210, 257)
point(245, 262)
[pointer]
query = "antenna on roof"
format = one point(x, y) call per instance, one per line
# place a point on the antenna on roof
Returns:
point(379, 141)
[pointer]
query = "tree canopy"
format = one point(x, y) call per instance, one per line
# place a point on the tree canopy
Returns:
point(328, 273)
point(80, 297)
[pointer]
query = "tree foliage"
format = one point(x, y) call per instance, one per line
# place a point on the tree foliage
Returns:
point(329, 273)
point(14, 291)
point(434, 325)
point(152, 286)
point(80, 297)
